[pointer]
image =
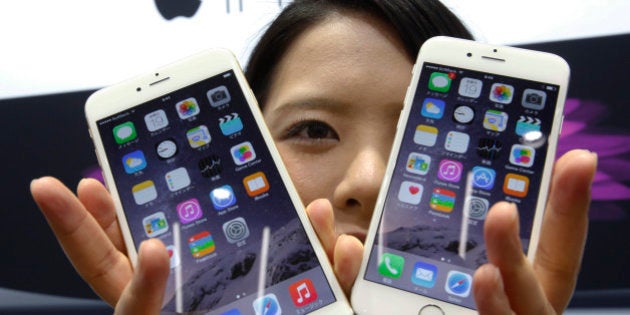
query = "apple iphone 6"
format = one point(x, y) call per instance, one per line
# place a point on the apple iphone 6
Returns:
point(479, 125)
point(188, 160)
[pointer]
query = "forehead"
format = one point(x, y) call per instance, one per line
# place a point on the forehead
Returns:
point(345, 52)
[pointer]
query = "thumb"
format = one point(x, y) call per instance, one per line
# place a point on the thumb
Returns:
point(145, 292)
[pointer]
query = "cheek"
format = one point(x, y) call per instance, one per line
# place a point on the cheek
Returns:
point(311, 174)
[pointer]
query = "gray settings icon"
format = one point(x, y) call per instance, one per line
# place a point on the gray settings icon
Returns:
point(235, 230)
point(477, 208)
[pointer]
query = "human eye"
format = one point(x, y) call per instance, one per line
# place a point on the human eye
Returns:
point(311, 132)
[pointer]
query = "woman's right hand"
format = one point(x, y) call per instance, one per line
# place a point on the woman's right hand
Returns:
point(85, 225)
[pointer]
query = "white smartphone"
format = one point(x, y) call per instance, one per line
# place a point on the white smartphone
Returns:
point(188, 159)
point(479, 125)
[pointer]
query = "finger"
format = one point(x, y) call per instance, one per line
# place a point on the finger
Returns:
point(563, 232)
point(320, 213)
point(504, 249)
point(97, 200)
point(87, 246)
point(347, 258)
point(145, 292)
point(489, 293)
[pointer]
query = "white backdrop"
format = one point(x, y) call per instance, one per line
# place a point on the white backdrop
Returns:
point(51, 46)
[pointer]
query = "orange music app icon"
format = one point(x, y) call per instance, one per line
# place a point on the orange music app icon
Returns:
point(303, 292)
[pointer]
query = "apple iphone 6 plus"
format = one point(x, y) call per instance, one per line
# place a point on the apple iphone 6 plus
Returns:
point(188, 160)
point(479, 125)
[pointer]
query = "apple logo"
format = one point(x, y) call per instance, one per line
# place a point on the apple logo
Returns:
point(170, 9)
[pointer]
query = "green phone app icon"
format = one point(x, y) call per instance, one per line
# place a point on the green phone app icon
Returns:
point(124, 132)
point(391, 265)
point(439, 82)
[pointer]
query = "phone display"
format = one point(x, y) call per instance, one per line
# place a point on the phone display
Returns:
point(470, 137)
point(191, 166)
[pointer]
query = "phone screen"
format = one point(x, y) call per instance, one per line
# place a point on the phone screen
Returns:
point(192, 169)
point(467, 131)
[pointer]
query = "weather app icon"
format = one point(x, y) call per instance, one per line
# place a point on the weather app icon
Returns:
point(433, 108)
point(134, 162)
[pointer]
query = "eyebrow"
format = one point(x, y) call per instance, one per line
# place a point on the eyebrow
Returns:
point(314, 103)
point(331, 105)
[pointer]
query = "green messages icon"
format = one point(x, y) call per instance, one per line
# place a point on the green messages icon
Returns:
point(124, 132)
point(439, 82)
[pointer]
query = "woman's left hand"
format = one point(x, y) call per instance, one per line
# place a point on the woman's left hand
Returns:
point(509, 283)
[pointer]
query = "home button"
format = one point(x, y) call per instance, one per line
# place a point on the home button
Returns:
point(431, 310)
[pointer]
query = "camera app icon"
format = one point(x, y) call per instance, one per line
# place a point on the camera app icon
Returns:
point(219, 96)
point(534, 99)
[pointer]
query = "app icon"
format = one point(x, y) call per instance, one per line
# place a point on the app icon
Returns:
point(198, 136)
point(470, 87)
point(230, 124)
point(425, 135)
point(173, 256)
point(440, 82)
point(144, 192)
point(410, 192)
point(391, 265)
point(166, 149)
point(134, 161)
point(187, 108)
point(235, 230)
point(243, 153)
point(418, 163)
point(516, 185)
point(457, 142)
point(201, 244)
point(534, 99)
point(303, 292)
point(483, 177)
point(489, 148)
point(124, 132)
point(210, 166)
point(177, 179)
point(156, 120)
point(267, 305)
point(189, 211)
point(256, 184)
point(501, 93)
point(458, 283)
point(527, 124)
point(464, 114)
point(222, 197)
point(155, 224)
point(234, 311)
point(495, 120)
point(450, 171)
point(442, 200)
point(477, 208)
point(522, 155)
point(219, 96)
point(424, 274)
point(433, 108)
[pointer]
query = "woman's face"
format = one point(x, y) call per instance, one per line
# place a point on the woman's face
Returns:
point(332, 109)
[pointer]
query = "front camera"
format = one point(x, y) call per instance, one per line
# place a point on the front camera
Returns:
point(138, 89)
point(469, 54)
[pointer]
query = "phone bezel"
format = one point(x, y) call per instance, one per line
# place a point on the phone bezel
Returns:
point(138, 90)
point(493, 59)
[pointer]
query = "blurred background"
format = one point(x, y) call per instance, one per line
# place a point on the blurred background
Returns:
point(55, 53)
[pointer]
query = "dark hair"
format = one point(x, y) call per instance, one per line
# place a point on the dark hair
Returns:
point(414, 20)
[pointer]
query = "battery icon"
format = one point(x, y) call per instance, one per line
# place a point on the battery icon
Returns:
point(550, 88)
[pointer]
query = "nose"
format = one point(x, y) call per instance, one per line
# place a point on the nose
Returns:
point(355, 195)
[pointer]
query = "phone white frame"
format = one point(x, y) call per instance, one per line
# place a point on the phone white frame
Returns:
point(153, 84)
point(368, 296)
